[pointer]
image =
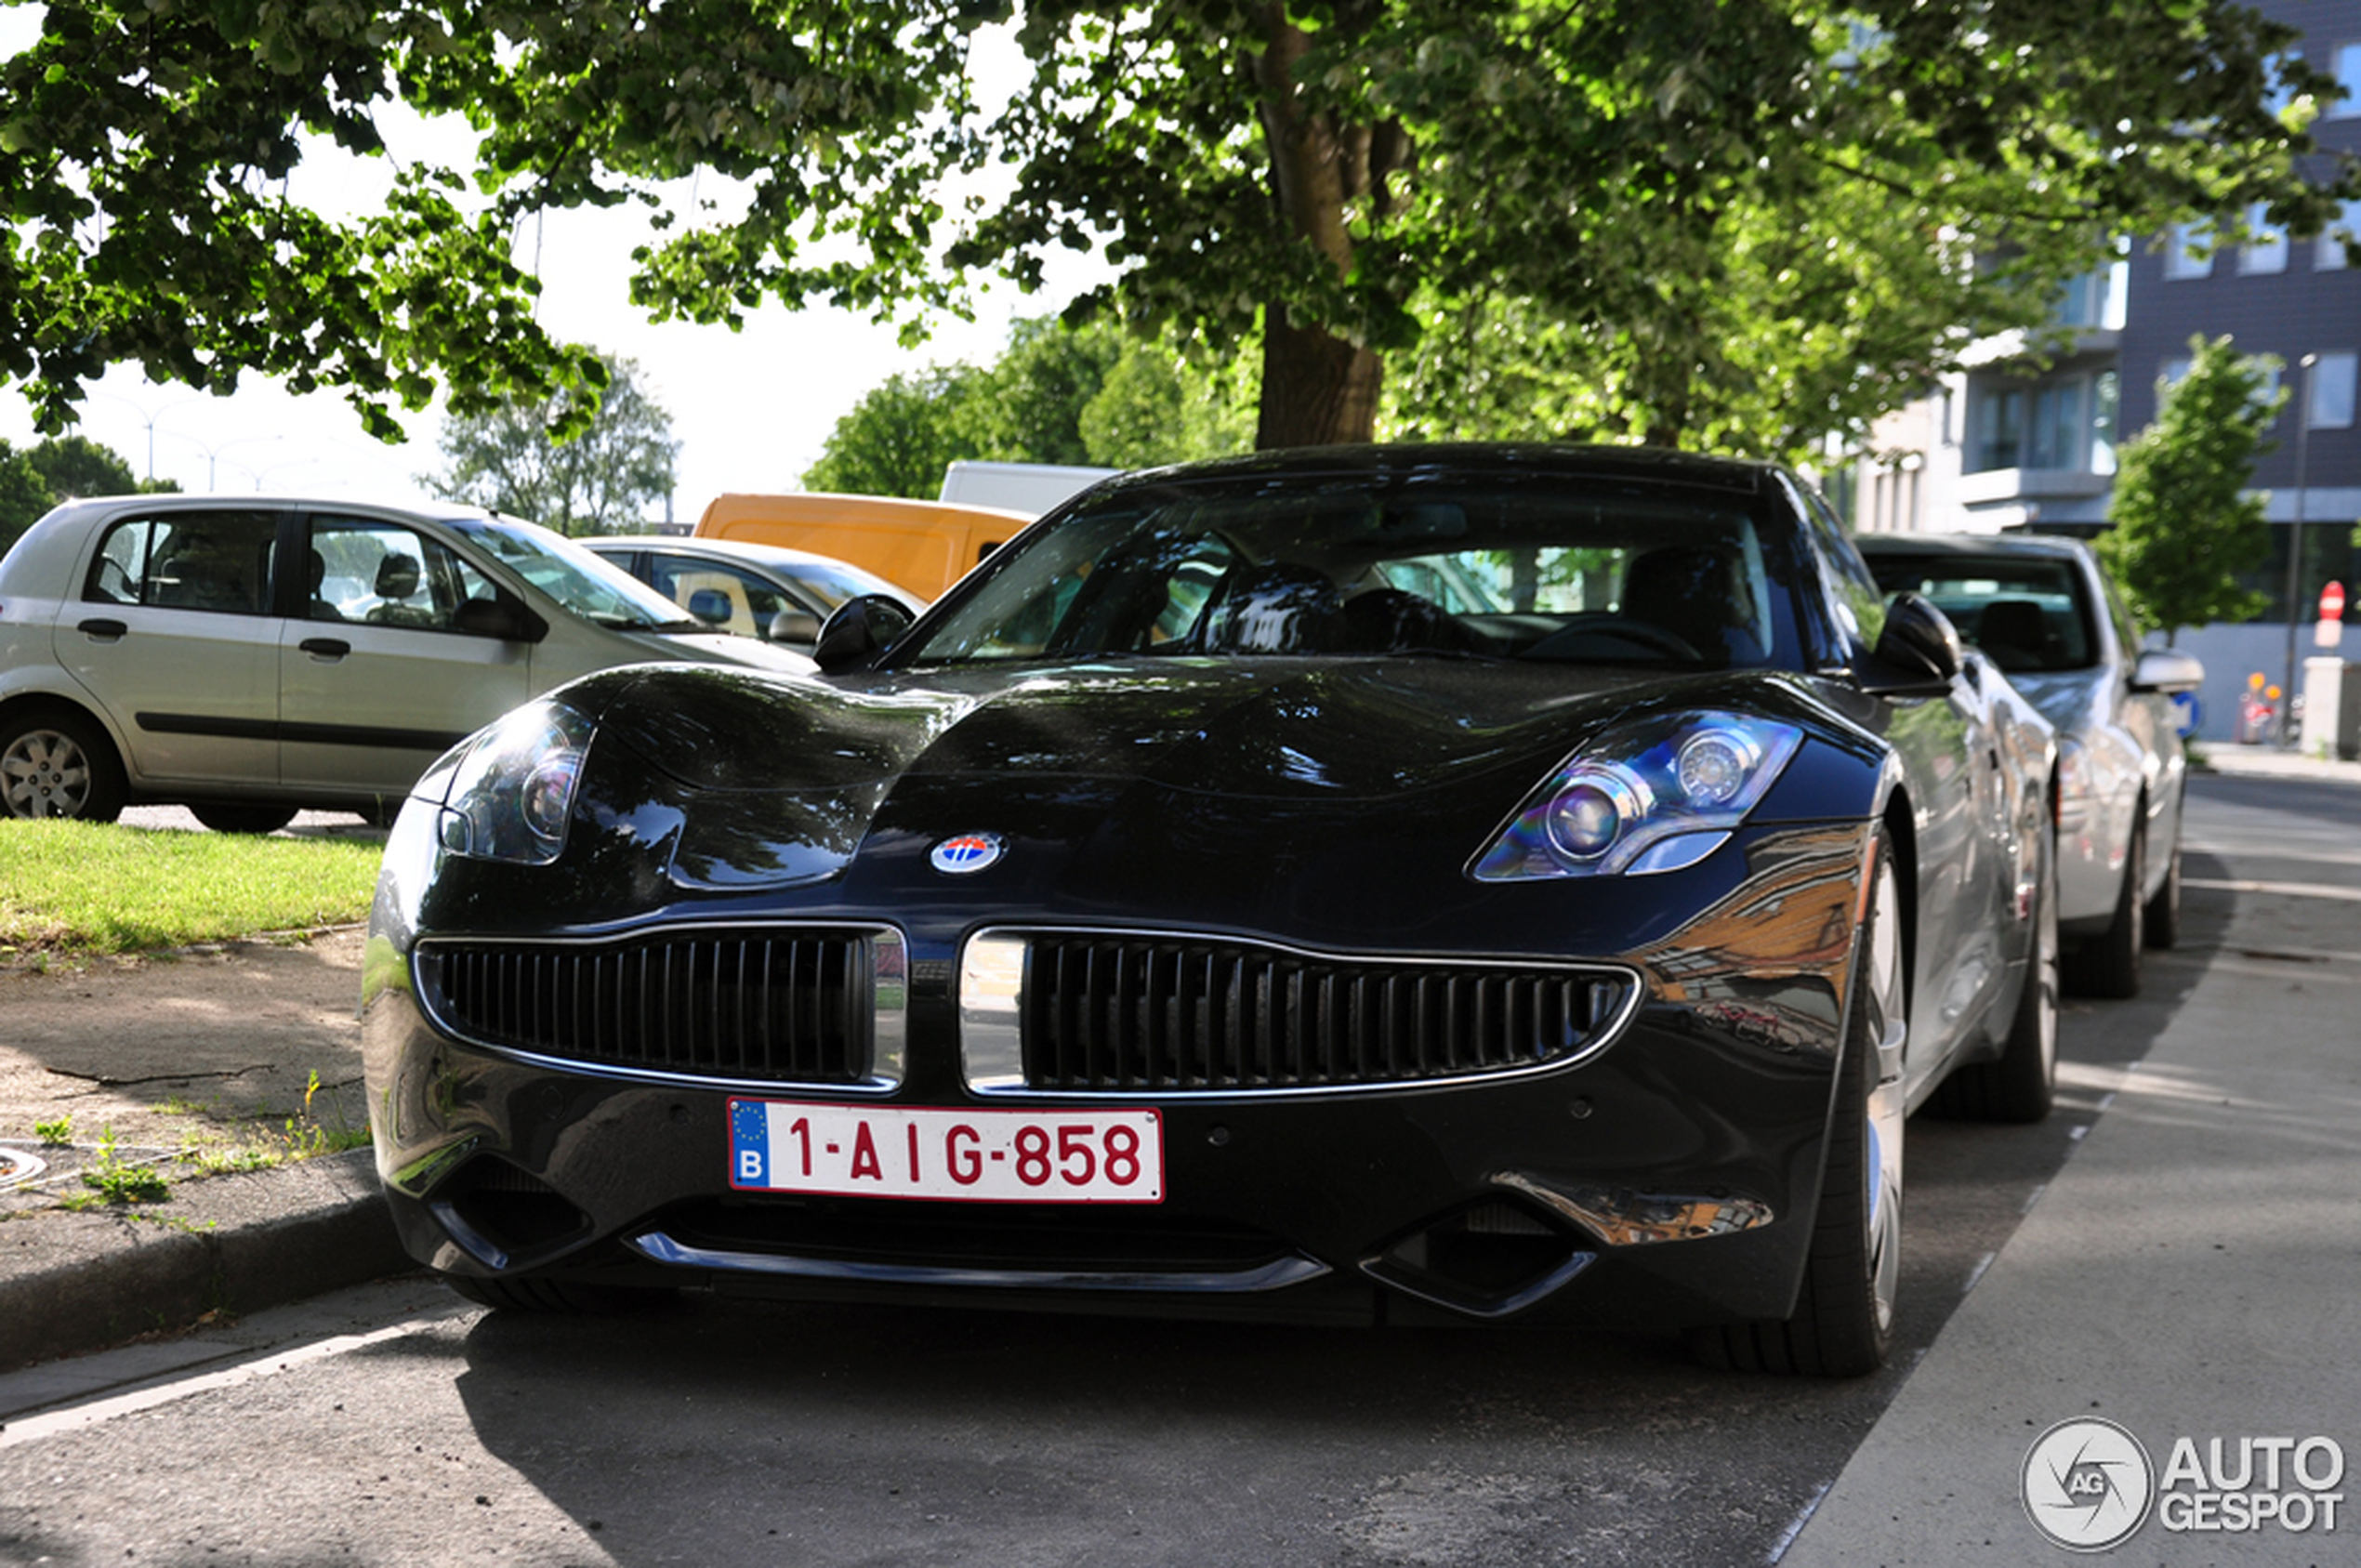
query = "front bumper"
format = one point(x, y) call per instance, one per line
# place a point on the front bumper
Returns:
point(1667, 1178)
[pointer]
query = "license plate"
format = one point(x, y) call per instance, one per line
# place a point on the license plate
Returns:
point(991, 1157)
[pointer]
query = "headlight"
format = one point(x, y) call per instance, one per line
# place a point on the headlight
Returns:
point(512, 793)
point(1650, 794)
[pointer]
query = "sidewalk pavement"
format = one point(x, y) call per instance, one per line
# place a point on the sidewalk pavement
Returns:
point(2190, 1273)
point(2270, 762)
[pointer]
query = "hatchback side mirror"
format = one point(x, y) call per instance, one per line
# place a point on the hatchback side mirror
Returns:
point(1919, 655)
point(859, 630)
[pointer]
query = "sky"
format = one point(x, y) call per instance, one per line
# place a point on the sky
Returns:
point(751, 409)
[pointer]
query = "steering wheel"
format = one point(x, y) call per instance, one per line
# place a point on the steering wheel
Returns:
point(1646, 635)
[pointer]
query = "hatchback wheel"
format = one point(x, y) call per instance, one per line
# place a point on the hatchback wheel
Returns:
point(59, 765)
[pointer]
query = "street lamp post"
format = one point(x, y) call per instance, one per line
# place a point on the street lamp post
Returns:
point(149, 420)
point(2295, 544)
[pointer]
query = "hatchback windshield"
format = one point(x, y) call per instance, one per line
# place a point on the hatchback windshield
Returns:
point(1538, 569)
point(595, 590)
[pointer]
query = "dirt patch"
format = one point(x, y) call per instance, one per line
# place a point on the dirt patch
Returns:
point(211, 1050)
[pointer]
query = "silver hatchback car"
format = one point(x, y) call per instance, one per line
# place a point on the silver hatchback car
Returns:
point(251, 657)
point(2042, 609)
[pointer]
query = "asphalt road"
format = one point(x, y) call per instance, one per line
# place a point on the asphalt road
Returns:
point(394, 1425)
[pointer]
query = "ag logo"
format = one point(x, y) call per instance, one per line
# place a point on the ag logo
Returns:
point(968, 852)
point(2086, 1485)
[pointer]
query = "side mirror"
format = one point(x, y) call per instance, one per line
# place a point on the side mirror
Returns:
point(1919, 655)
point(801, 627)
point(859, 630)
point(2168, 670)
point(711, 606)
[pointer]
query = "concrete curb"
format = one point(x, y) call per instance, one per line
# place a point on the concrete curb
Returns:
point(76, 1281)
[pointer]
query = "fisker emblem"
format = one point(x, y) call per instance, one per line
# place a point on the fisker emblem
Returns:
point(968, 852)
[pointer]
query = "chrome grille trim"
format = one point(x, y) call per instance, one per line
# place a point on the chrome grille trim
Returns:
point(1092, 1012)
point(762, 1007)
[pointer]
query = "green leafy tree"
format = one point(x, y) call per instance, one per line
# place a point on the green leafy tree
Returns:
point(1028, 405)
point(75, 465)
point(2185, 524)
point(1158, 406)
point(900, 437)
point(1716, 206)
point(49, 471)
point(602, 478)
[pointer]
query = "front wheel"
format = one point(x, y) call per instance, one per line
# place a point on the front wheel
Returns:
point(1843, 1325)
point(2164, 910)
point(2023, 1085)
point(55, 764)
point(2108, 965)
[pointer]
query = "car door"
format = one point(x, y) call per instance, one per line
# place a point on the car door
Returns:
point(175, 638)
point(378, 674)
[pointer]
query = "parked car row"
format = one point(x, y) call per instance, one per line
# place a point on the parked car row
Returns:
point(1446, 884)
point(250, 658)
point(2042, 610)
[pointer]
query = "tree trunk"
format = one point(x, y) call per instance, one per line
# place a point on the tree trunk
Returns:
point(1318, 388)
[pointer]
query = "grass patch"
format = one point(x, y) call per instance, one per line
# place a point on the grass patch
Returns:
point(72, 887)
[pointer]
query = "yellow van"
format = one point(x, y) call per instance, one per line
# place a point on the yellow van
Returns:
point(923, 547)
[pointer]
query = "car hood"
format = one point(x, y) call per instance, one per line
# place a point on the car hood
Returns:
point(1134, 767)
point(723, 648)
point(2069, 699)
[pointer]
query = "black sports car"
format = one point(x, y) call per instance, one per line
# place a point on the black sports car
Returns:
point(1413, 884)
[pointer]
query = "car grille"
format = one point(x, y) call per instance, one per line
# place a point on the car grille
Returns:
point(770, 1005)
point(1130, 1014)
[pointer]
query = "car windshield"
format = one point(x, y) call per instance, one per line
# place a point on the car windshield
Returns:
point(2029, 614)
point(833, 581)
point(1550, 568)
point(593, 589)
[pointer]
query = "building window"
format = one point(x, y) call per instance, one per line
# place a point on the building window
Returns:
point(2172, 372)
point(2327, 251)
point(2345, 65)
point(2105, 397)
point(1999, 429)
point(2332, 387)
point(2055, 439)
point(2188, 251)
point(2266, 246)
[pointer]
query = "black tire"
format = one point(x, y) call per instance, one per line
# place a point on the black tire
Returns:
point(2023, 1085)
point(58, 763)
point(557, 1298)
point(244, 819)
point(2108, 964)
point(1843, 1325)
point(2163, 921)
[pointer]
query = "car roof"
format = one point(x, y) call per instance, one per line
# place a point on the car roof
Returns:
point(1403, 459)
point(2054, 546)
point(214, 500)
point(729, 550)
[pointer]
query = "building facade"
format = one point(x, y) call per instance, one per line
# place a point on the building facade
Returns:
point(2015, 442)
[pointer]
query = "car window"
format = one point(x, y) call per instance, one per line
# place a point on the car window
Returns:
point(1498, 567)
point(753, 600)
point(383, 574)
point(218, 561)
point(583, 583)
point(1858, 600)
point(2028, 614)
